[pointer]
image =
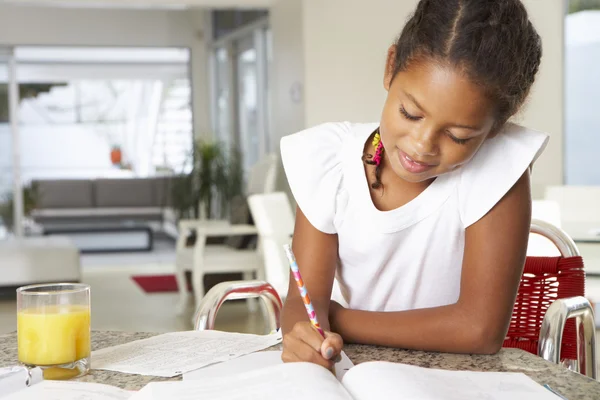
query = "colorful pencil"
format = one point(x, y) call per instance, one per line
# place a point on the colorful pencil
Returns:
point(310, 310)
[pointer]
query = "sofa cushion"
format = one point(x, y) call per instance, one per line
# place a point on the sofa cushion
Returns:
point(65, 193)
point(163, 189)
point(126, 192)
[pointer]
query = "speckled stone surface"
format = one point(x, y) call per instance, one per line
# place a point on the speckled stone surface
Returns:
point(571, 385)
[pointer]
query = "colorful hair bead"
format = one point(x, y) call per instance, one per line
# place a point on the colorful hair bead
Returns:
point(379, 149)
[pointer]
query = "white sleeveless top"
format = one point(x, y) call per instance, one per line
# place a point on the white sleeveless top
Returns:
point(409, 257)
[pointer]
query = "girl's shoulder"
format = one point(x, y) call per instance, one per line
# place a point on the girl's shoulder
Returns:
point(495, 168)
point(328, 136)
point(313, 163)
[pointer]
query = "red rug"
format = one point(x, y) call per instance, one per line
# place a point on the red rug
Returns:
point(157, 283)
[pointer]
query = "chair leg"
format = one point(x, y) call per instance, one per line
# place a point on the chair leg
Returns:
point(551, 332)
point(198, 283)
point(198, 268)
point(183, 289)
point(180, 275)
point(251, 303)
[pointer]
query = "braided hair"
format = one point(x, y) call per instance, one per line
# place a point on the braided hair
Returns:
point(491, 41)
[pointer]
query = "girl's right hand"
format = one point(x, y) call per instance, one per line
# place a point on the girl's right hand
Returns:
point(305, 343)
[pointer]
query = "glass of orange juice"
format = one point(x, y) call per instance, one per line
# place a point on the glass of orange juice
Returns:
point(53, 328)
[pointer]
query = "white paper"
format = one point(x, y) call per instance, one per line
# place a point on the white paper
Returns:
point(253, 362)
point(172, 354)
point(292, 381)
point(384, 380)
point(65, 390)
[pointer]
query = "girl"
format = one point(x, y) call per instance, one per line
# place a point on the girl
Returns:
point(423, 218)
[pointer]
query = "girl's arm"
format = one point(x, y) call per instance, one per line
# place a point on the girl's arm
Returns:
point(495, 251)
point(316, 254)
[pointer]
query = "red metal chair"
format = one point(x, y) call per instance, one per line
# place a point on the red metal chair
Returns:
point(550, 293)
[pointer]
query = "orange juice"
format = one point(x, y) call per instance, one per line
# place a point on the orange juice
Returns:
point(53, 335)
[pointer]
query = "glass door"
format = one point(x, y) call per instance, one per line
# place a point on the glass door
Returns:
point(248, 104)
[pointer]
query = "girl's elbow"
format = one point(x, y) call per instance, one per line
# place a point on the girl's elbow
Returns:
point(485, 341)
point(488, 347)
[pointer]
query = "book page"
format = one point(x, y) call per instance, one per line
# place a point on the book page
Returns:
point(172, 354)
point(254, 361)
point(380, 380)
point(292, 381)
point(65, 390)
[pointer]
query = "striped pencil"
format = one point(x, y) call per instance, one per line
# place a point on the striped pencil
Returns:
point(310, 310)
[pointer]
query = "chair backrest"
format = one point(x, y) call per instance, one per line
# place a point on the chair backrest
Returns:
point(274, 220)
point(263, 176)
point(544, 280)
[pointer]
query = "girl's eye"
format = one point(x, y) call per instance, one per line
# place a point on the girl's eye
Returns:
point(407, 115)
point(411, 117)
point(457, 140)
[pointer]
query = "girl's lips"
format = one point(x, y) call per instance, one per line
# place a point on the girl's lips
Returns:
point(413, 166)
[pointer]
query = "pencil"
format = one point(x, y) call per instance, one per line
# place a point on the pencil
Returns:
point(310, 310)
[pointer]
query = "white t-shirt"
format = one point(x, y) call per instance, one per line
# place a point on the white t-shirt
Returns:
point(409, 257)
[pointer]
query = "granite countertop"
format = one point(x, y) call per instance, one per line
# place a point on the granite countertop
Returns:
point(571, 385)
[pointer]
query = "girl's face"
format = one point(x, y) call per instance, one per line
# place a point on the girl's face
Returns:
point(434, 120)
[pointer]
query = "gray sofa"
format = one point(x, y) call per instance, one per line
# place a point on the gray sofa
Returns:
point(102, 200)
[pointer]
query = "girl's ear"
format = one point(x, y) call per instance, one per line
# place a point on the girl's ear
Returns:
point(389, 68)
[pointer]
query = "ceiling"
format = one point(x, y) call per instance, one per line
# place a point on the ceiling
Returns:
point(145, 4)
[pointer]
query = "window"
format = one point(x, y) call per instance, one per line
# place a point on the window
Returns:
point(582, 93)
point(102, 112)
point(240, 88)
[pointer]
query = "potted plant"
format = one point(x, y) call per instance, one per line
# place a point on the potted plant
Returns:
point(215, 178)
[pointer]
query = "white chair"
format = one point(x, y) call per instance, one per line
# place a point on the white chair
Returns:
point(274, 220)
point(203, 259)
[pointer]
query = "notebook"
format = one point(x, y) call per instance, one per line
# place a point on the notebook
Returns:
point(372, 380)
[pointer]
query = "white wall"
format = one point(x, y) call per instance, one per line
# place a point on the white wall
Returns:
point(287, 73)
point(546, 106)
point(582, 97)
point(345, 55)
point(32, 25)
point(345, 44)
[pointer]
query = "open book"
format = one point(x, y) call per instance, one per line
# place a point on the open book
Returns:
point(373, 380)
